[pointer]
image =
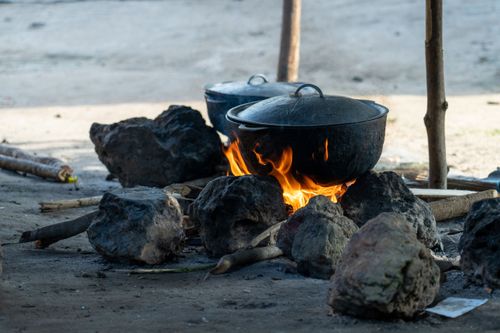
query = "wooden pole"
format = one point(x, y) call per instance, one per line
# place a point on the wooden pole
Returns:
point(436, 102)
point(288, 65)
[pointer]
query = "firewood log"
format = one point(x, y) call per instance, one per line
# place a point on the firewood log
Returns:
point(49, 206)
point(245, 257)
point(59, 231)
point(61, 174)
point(458, 206)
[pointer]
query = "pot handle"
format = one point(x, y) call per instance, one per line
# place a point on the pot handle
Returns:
point(243, 127)
point(307, 85)
point(261, 76)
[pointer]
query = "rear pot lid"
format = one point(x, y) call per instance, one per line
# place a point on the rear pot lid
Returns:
point(256, 86)
point(305, 109)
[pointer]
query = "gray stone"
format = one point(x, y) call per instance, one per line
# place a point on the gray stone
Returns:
point(175, 147)
point(480, 244)
point(317, 206)
point(231, 211)
point(375, 193)
point(320, 238)
point(142, 225)
point(384, 272)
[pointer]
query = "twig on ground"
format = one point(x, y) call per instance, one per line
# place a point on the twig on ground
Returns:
point(59, 231)
point(185, 269)
point(268, 233)
point(244, 257)
point(15, 159)
point(48, 206)
point(458, 206)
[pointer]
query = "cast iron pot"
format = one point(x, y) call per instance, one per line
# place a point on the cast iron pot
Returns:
point(334, 139)
point(221, 97)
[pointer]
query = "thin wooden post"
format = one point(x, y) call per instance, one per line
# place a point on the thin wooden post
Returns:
point(288, 65)
point(436, 101)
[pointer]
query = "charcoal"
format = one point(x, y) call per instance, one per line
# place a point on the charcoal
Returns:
point(375, 193)
point(231, 211)
point(480, 244)
point(321, 234)
point(140, 225)
point(175, 147)
point(384, 272)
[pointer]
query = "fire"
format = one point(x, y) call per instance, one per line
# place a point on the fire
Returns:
point(297, 189)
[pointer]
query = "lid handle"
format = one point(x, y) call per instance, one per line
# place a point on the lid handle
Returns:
point(307, 85)
point(255, 76)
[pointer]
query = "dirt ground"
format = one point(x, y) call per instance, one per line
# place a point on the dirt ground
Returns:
point(66, 64)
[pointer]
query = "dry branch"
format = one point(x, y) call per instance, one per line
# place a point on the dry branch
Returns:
point(59, 231)
point(34, 168)
point(432, 194)
point(288, 64)
point(458, 206)
point(21, 154)
point(436, 102)
point(48, 206)
point(184, 269)
point(244, 257)
point(268, 233)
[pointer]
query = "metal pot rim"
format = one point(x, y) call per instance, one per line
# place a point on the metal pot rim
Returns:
point(231, 116)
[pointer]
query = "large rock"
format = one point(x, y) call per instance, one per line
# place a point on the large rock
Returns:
point(480, 243)
point(320, 238)
point(142, 225)
point(175, 147)
point(231, 211)
point(375, 193)
point(384, 272)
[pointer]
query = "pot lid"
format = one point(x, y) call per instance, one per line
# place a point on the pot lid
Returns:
point(256, 86)
point(304, 110)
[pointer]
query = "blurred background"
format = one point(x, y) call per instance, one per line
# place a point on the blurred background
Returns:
point(67, 63)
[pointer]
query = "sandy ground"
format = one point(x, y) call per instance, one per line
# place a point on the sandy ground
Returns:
point(65, 64)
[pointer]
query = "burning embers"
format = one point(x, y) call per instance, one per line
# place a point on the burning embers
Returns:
point(298, 189)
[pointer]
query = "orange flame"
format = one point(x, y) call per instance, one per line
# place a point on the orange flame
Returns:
point(296, 193)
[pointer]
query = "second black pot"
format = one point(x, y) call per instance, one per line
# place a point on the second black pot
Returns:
point(221, 97)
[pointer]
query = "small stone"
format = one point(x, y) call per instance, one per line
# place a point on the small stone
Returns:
point(480, 244)
point(231, 211)
point(175, 147)
point(374, 193)
point(140, 225)
point(317, 206)
point(384, 272)
point(320, 237)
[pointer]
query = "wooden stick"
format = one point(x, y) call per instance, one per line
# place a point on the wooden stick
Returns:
point(436, 101)
point(265, 234)
point(49, 206)
point(65, 171)
point(59, 231)
point(288, 64)
point(437, 194)
point(35, 168)
point(244, 257)
point(21, 154)
point(458, 206)
point(463, 183)
point(186, 269)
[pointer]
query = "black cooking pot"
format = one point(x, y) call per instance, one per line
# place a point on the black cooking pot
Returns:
point(221, 97)
point(334, 139)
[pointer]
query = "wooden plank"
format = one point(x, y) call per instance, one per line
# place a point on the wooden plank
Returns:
point(437, 194)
